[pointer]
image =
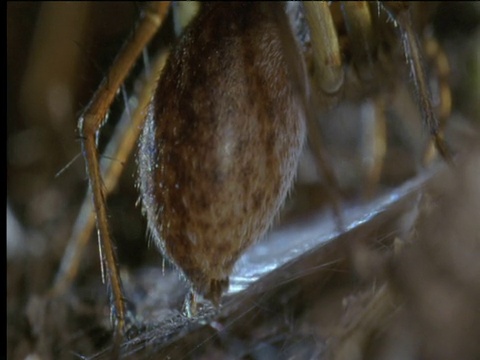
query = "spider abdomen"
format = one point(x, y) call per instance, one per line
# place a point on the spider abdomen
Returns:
point(221, 143)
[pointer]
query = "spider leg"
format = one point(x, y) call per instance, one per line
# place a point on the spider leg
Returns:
point(443, 96)
point(328, 73)
point(414, 58)
point(88, 126)
point(120, 147)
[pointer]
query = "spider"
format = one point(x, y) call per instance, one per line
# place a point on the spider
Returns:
point(203, 180)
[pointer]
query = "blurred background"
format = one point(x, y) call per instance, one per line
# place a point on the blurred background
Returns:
point(57, 54)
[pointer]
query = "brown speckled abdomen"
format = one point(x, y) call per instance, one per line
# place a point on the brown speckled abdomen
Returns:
point(220, 147)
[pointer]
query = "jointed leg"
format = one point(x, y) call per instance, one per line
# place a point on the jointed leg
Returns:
point(417, 71)
point(119, 148)
point(441, 70)
point(88, 126)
